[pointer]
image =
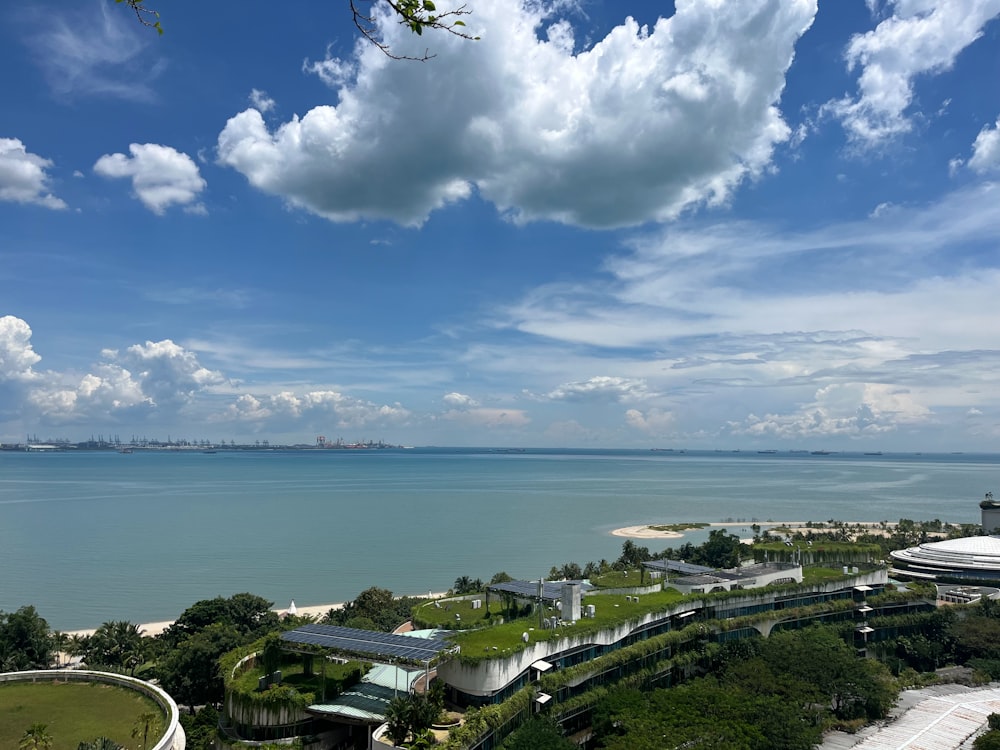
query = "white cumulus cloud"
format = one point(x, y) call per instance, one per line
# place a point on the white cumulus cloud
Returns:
point(168, 372)
point(161, 176)
point(261, 101)
point(653, 421)
point(846, 409)
point(601, 388)
point(490, 418)
point(645, 123)
point(17, 356)
point(23, 176)
point(459, 400)
point(319, 408)
point(986, 150)
point(920, 37)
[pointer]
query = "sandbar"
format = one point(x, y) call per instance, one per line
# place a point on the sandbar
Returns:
point(649, 532)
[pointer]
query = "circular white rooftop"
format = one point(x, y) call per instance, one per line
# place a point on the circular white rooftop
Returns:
point(975, 556)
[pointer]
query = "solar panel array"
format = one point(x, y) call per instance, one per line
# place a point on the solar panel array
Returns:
point(551, 590)
point(368, 643)
point(675, 566)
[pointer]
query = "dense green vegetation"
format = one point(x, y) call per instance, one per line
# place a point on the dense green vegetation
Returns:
point(778, 692)
point(678, 527)
point(881, 538)
point(74, 712)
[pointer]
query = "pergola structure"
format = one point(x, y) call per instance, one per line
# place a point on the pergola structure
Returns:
point(367, 645)
point(364, 704)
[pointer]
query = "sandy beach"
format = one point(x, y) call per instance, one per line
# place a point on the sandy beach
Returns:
point(309, 610)
point(649, 532)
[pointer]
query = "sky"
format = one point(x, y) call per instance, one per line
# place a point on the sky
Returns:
point(769, 224)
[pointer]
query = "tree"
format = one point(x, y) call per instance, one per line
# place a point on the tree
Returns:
point(190, 672)
point(633, 555)
point(722, 550)
point(539, 733)
point(143, 723)
point(117, 643)
point(417, 15)
point(384, 611)
point(36, 737)
point(410, 715)
point(397, 720)
point(249, 615)
point(24, 641)
point(201, 728)
point(571, 571)
point(100, 743)
point(60, 643)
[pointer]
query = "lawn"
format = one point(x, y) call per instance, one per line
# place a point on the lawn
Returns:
point(624, 579)
point(74, 712)
point(818, 574)
point(611, 610)
point(443, 616)
point(338, 676)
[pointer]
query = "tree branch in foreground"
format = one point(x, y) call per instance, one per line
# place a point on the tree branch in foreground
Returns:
point(417, 15)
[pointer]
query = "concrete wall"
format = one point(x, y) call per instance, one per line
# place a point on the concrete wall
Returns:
point(173, 738)
point(991, 520)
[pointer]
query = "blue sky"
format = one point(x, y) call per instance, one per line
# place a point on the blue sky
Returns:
point(766, 223)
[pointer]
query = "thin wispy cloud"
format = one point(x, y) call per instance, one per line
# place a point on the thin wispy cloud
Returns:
point(92, 50)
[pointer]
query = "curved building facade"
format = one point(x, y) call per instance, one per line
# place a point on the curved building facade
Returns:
point(969, 559)
point(972, 558)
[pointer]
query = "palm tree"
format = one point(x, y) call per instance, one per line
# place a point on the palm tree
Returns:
point(35, 737)
point(100, 743)
point(143, 722)
point(60, 644)
point(117, 643)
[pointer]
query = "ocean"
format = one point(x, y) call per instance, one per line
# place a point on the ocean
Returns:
point(94, 536)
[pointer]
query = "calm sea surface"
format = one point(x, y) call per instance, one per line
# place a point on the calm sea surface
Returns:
point(90, 537)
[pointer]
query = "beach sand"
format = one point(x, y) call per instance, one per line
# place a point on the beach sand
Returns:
point(648, 532)
point(310, 610)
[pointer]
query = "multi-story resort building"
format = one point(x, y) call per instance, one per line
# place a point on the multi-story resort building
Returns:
point(575, 638)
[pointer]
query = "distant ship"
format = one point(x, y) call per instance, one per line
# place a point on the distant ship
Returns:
point(768, 451)
point(874, 453)
point(819, 453)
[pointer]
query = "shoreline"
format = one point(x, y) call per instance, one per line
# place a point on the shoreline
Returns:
point(151, 629)
point(646, 531)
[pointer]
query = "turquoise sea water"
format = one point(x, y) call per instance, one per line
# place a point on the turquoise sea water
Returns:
point(90, 537)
